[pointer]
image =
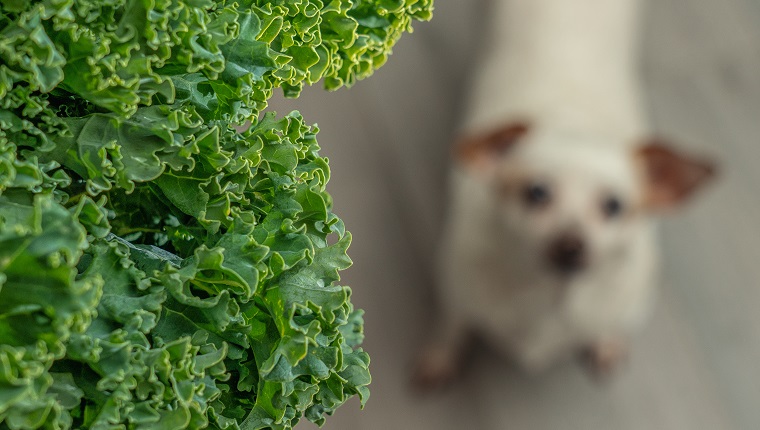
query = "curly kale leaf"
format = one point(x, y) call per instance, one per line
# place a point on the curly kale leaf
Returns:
point(118, 55)
point(235, 321)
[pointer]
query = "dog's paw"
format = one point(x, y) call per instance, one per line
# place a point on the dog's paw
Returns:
point(434, 369)
point(604, 358)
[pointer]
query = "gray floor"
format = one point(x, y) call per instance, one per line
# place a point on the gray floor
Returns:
point(697, 364)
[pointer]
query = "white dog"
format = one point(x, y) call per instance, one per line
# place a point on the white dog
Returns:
point(550, 245)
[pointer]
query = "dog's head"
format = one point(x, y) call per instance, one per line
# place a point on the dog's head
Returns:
point(573, 200)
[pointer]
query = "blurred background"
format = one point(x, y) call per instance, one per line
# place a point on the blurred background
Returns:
point(697, 363)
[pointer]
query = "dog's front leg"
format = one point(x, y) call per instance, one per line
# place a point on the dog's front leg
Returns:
point(604, 356)
point(441, 359)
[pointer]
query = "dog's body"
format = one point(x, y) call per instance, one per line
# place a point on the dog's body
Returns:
point(568, 62)
point(494, 281)
point(549, 247)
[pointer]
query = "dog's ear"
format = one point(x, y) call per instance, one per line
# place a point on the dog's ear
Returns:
point(670, 177)
point(483, 151)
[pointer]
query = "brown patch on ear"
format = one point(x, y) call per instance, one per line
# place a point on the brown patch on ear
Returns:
point(480, 150)
point(670, 177)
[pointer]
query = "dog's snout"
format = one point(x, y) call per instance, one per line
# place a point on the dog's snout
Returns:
point(568, 253)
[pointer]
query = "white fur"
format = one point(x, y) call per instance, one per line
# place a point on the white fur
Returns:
point(570, 62)
point(569, 69)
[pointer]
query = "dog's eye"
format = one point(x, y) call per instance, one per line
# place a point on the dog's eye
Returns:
point(536, 195)
point(612, 207)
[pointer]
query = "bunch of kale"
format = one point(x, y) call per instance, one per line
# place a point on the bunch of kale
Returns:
point(160, 269)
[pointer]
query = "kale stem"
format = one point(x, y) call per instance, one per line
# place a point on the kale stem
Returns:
point(203, 287)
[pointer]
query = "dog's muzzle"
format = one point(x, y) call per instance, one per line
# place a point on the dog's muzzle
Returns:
point(567, 254)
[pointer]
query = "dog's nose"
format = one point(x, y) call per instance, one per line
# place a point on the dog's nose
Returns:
point(568, 253)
